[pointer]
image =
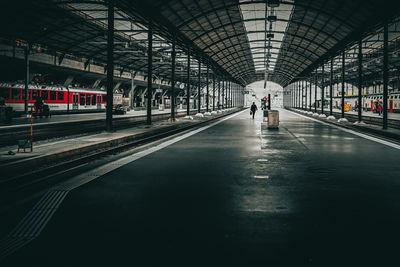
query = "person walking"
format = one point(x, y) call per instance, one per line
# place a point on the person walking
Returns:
point(253, 109)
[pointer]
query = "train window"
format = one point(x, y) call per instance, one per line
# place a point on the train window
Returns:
point(53, 95)
point(45, 95)
point(88, 99)
point(16, 94)
point(104, 97)
point(93, 99)
point(5, 93)
point(60, 96)
point(35, 94)
point(82, 99)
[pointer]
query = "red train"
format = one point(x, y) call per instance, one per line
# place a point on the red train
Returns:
point(59, 99)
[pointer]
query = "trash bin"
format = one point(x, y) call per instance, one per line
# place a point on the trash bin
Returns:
point(273, 119)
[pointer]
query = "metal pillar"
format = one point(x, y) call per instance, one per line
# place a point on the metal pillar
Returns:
point(299, 92)
point(385, 75)
point(310, 102)
point(199, 89)
point(302, 94)
point(343, 66)
point(110, 65)
point(322, 89)
point(331, 89)
point(188, 85)
point(173, 56)
point(223, 93)
point(219, 94)
point(226, 94)
point(315, 91)
point(149, 70)
point(213, 92)
point(231, 87)
point(305, 97)
point(208, 90)
point(360, 106)
point(26, 79)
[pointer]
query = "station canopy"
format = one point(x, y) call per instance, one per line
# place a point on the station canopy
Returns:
point(240, 40)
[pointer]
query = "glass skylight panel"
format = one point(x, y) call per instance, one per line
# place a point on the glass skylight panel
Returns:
point(253, 15)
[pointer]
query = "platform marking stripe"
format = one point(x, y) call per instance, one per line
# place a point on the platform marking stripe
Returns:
point(365, 136)
point(37, 218)
point(33, 223)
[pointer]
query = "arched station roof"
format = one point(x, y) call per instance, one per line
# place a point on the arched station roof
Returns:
point(232, 31)
point(228, 35)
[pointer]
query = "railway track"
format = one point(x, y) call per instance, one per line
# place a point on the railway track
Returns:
point(10, 135)
point(395, 124)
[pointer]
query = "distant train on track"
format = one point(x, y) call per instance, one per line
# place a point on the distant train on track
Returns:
point(59, 99)
point(369, 102)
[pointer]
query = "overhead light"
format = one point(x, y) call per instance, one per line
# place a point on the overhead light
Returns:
point(273, 3)
point(272, 18)
point(270, 35)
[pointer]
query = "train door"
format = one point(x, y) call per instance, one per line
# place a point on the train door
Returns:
point(390, 105)
point(98, 101)
point(75, 99)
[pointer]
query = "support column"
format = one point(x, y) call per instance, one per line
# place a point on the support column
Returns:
point(305, 97)
point(299, 92)
point(360, 59)
point(199, 89)
point(331, 89)
point(188, 85)
point(26, 79)
point(213, 108)
point(226, 94)
point(208, 90)
point(295, 94)
point(310, 102)
point(173, 56)
point(222, 93)
point(343, 73)
point(219, 94)
point(149, 70)
point(231, 94)
point(302, 94)
point(110, 65)
point(385, 75)
point(315, 91)
point(322, 88)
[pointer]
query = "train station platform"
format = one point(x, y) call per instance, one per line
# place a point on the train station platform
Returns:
point(80, 117)
point(60, 126)
point(230, 193)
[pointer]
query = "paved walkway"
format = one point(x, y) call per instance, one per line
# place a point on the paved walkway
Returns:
point(232, 194)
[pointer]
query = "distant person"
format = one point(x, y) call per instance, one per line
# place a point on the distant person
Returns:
point(379, 108)
point(39, 106)
point(253, 109)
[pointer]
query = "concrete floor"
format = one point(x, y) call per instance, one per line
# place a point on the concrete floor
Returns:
point(235, 195)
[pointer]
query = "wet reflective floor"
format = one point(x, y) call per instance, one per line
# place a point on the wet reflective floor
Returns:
point(235, 194)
